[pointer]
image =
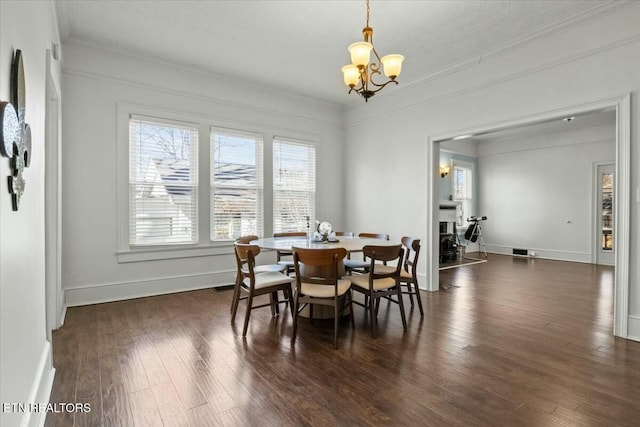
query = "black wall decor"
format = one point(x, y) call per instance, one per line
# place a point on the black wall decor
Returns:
point(15, 138)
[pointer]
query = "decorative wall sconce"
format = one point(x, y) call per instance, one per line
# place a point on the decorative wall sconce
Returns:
point(15, 135)
point(444, 171)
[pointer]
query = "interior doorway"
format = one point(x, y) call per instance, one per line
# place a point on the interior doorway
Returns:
point(620, 203)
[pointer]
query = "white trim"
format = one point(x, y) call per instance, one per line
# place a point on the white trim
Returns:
point(634, 328)
point(151, 253)
point(622, 192)
point(195, 96)
point(553, 254)
point(407, 107)
point(622, 214)
point(53, 196)
point(433, 207)
point(117, 291)
point(41, 388)
point(550, 31)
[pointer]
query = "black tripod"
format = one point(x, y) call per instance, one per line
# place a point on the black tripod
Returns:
point(474, 232)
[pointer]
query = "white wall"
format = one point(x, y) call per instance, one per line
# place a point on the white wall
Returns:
point(537, 191)
point(386, 139)
point(26, 372)
point(97, 81)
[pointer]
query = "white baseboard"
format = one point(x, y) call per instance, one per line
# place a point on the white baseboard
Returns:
point(633, 328)
point(117, 291)
point(41, 388)
point(558, 255)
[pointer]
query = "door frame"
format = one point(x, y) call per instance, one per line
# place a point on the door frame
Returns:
point(622, 194)
point(54, 311)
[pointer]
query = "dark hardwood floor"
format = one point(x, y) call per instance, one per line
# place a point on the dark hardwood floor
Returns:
point(514, 343)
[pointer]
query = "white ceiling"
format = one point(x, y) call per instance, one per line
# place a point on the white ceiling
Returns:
point(300, 46)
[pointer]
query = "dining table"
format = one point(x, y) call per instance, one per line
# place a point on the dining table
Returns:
point(351, 244)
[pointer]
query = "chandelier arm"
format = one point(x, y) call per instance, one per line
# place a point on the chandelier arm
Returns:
point(380, 87)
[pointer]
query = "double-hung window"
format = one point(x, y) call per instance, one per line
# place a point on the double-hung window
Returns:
point(294, 184)
point(163, 182)
point(236, 184)
point(463, 190)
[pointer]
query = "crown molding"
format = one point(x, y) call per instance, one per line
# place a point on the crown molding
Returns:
point(495, 82)
point(209, 99)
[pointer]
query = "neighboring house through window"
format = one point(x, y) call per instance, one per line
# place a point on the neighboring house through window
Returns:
point(294, 184)
point(236, 184)
point(163, 182)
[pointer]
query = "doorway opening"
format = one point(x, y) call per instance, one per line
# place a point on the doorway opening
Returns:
point(620, 204)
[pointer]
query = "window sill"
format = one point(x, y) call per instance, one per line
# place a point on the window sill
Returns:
point(149, 253)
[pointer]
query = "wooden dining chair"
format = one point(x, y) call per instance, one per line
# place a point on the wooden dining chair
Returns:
point(265, 268)
point(318, 282)
point(409, 272)
point(267, 283)
point(285, 258)
point(380, 282)
point(362, 266)
point(344, 233)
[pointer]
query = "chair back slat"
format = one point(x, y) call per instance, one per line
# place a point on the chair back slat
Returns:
point(384, 254)
point(324, 260)
point(381, 236)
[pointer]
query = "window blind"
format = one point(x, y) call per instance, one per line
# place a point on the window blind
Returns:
point(294, 184)
point(163, 182)
point(236, 184)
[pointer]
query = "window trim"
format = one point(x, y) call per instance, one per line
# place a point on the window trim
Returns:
point(126, 252)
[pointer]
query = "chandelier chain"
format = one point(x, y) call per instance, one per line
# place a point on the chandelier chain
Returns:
point(367, 13)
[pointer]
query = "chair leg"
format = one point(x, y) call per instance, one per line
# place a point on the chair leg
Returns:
point(401, 304)
point(295, 320)
point(417, 290)
point(336, 319)
point(276, 303)
point(236, 291)
point(372, 315)
point(235, 302)
point(290, 298)
point(353, 320)
point(410, 292)
point(271, 305)
point(247, 314)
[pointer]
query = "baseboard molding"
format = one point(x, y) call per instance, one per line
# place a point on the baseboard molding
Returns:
point(41, 388)
point(117, 291)
point(553, 254)
point(633, 328)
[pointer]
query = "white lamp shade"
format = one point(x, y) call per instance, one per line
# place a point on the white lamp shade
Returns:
point(392, 65)
point(360, 52)
point(351, 75)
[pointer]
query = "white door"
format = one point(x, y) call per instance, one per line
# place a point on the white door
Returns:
point(605, 215)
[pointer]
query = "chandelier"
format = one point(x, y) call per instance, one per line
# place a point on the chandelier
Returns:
point(359, 75)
